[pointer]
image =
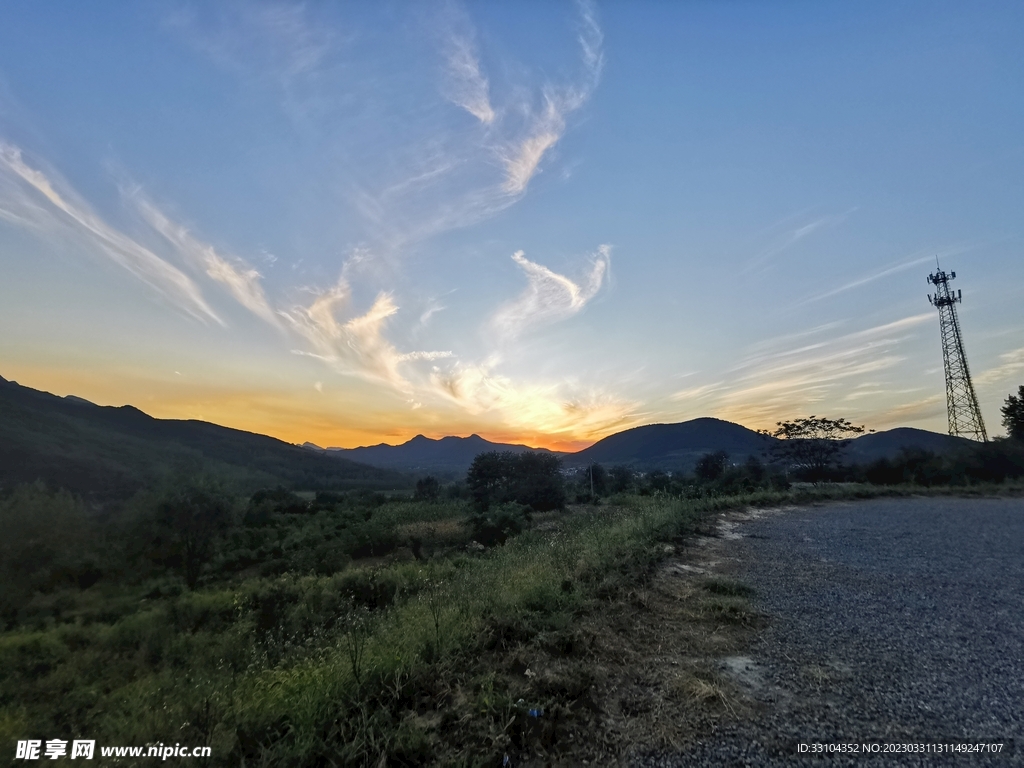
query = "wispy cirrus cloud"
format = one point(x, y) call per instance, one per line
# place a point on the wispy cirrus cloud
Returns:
point(273, 39)
point(783, 379)
point(357, 346)
point(549, 296)
point(275, 43)
point(451, 176)
point(241, 279)
point(900, 415)
point(791, 235)
point(862, 281)
point(522, 155)
point(1011, 365)
point(49, 206)
point(886, 271)
point(466, 85)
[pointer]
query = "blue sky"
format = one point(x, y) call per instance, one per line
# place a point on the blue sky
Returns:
point(540, 222)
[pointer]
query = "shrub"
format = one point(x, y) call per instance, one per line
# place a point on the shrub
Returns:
point(46, 543)
point(498, 524)
point(367, 587)
point(427, 489)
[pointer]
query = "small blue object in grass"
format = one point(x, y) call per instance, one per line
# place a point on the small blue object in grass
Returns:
point(536, 713)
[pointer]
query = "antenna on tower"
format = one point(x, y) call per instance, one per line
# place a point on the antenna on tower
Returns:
point(961, 402)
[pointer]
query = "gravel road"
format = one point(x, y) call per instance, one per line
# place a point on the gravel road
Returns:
point(891, 621)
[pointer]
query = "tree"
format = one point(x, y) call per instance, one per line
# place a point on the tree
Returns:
point(658, 480)
point(621, 479)
point(530, 478)
point(812, 445)
point(1013, 414)
point(193, 519)
point(48, 541)
point(427, 489)
point(710, 466)
point(490, 478)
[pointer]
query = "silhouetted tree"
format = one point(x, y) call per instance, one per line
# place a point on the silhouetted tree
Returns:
point(47, 541)
point(427, 489)
point(754, 468)
point(530, 478)
point(658, 480)
point(710, 466)
point(812, 444)
point(193, 519)
point(1013, 414)
point(620, 479)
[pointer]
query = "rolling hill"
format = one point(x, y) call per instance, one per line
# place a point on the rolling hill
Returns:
point(672, 446)
point(888, 444)
point(104, 452)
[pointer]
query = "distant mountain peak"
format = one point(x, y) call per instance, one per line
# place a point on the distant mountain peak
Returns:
point(451, 454)
point(79, 400)
point(108, 453)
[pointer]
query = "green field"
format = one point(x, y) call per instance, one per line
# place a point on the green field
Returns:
point(401, 646)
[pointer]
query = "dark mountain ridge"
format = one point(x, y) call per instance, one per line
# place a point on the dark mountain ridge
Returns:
point(108, 452)
point(888, 444)
point(446, 456)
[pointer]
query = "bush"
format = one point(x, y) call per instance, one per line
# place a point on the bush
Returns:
point(992, 462)
point(47, 542)
point(427, 489)
point(497, 525)
point(367, 587)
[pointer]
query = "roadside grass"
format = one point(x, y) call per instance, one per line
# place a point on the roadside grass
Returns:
point(727, 587)
point(454, 657)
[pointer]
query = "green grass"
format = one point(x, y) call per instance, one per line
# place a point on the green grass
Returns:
point(728, 588)
point(295, 669)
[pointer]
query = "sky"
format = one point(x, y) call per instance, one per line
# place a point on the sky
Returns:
point(541, 222)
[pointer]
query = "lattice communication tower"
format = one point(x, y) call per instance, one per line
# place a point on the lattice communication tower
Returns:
point(961, 402)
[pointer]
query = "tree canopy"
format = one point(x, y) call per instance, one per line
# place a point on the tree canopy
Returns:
point(530, 478)
point(1013, 414)
point(812, 444)
point(192, 519)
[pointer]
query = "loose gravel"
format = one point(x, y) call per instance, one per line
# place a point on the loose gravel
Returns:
point(896, 621)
